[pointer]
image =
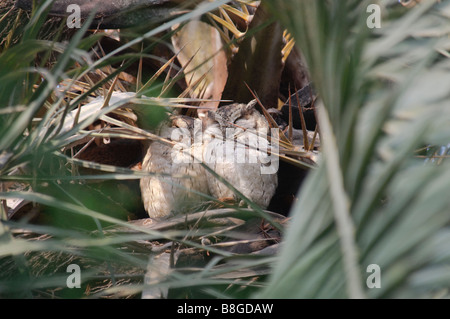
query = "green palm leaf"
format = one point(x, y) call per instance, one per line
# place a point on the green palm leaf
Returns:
point(371, 201)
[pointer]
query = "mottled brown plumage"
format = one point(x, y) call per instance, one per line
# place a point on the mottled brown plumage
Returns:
point(227, 140)
point(174, 192)
point(232, 137)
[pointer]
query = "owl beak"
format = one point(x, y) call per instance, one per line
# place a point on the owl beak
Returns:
point(204, 117)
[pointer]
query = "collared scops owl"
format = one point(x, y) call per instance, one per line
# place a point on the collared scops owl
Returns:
point(232, 141)
point(236, 147)
point(178, 176)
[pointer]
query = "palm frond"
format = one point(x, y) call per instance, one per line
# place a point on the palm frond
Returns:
point(370, 201)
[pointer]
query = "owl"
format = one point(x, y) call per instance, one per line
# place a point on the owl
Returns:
point(235, 146)
point(232, 141)
point(179, 176)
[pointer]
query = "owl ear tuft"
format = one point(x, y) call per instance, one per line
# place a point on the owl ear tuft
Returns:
point(252, 104)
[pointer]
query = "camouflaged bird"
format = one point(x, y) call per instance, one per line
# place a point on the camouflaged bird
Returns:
point(232, 141)
point(235, 147)
point(179, 178)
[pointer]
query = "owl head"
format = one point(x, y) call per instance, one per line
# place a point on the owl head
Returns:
point(239, 117)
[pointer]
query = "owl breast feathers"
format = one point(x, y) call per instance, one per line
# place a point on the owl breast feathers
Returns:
point(232, 141)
